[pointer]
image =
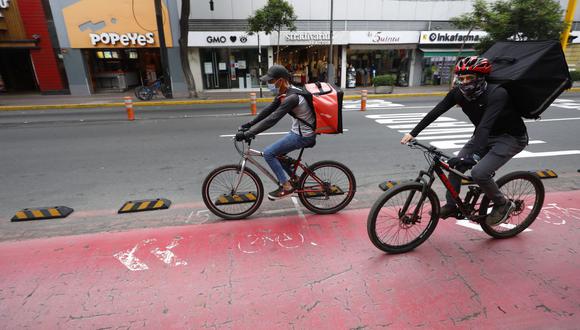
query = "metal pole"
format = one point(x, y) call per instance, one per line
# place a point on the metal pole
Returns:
point(163, 49)
point(568, 20)
point(259, 64)
point(330, 67)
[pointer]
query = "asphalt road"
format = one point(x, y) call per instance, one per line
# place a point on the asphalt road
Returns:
point(94, 160)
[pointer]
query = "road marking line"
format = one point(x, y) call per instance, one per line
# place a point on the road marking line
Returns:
point(471, 225)
point(268, 133)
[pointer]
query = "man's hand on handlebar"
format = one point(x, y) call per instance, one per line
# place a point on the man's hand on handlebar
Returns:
point(407, 138)
point(244, 127)
point(244, 136)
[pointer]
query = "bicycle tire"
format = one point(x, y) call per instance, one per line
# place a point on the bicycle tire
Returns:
point(209, 196)
point(322, 203)
point(396, 196)
point(521, 205)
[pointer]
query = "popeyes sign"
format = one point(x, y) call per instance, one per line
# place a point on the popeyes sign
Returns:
point(114, 24)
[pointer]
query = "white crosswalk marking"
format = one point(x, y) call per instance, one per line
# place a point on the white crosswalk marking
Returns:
point(447, 133)
point(371, 104)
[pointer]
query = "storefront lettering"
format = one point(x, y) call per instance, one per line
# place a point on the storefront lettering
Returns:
point(124, 39)
point(379, 38)
point(214, 39)
point(308, 36)
point(4, 4)
point(446, 37)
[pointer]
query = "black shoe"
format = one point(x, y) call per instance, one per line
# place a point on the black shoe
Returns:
point(500, 213)
point(448, 210)
point(280, 193)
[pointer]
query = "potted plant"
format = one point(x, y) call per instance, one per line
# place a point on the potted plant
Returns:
point(384, 83)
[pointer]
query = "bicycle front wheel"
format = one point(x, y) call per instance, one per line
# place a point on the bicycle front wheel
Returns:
point(394, 229)
point(327, 187)
point(225, 198)
point(526, 190)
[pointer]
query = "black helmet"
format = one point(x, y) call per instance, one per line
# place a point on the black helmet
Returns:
point(276, 71)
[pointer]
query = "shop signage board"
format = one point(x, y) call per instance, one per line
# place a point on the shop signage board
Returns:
point(229, 39)
point(289, 38)
point(383, 37)
point(113, 24)
point(451, 37)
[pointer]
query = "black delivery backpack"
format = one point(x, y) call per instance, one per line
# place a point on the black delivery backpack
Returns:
point(534, 73)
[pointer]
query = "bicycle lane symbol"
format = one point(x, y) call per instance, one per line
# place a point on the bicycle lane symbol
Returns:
point(556, 215)
point(256, 242)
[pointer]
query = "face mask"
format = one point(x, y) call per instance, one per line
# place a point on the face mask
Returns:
point(273, 88)
point(473, 89)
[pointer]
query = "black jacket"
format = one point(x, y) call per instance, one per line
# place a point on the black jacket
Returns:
point(492, 114)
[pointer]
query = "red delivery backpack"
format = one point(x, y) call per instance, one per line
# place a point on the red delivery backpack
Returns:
point(326, 100)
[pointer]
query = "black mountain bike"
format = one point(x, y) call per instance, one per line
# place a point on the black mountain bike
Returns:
point(407, 214)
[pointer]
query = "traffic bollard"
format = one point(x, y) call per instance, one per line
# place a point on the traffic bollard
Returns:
point(253, 103)
point(129, 107)
point(363, 100)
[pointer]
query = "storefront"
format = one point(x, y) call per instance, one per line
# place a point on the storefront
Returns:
point(119, 44)
point(441, 50)
point(28, 62)
point(227, 60)
point(375, 53)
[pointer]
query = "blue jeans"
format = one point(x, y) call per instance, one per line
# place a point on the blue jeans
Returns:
point(283, 146)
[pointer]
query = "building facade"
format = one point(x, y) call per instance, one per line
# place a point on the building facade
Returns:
point(413, 40)
point(28, 60)
point(113, 45)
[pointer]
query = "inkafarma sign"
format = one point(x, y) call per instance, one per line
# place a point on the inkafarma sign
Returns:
point(114, 24)
point(451, 37)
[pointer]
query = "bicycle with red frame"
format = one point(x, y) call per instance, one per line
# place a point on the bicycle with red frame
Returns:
point(407, 214)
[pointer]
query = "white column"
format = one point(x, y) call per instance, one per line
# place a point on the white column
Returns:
point(343, 67)
point(195, 66)
point(270, 56)
point(412, 69)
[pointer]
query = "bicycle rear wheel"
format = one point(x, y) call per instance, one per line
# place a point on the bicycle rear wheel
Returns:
point(223, 199)
point(328, 188)
point(526, 190)
point(394, 231)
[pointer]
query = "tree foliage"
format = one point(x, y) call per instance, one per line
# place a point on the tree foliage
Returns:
point(274, 16)
point(517, 20)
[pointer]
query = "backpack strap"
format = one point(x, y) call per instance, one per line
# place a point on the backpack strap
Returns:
point(308, 97)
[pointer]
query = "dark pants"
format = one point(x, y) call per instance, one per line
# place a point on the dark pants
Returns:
point(500, 149)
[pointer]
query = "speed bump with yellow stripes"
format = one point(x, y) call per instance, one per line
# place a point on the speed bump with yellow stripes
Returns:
point(42, 213)
point(239, 198)
point(388, 185)
point(334, 190)
point(145, 205)
point(546, 174)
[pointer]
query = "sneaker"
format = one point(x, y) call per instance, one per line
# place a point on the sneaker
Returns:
point(280, 193)
point(448, 210)
point(500, 213)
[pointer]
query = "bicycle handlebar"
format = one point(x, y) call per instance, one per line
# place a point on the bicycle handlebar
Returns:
point(429, 149)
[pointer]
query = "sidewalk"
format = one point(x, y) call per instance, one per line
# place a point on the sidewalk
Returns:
point(27, 101)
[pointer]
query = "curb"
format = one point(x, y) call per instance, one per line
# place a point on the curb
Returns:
point(193, 102)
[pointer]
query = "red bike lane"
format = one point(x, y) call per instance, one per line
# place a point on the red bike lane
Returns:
point(299, 272)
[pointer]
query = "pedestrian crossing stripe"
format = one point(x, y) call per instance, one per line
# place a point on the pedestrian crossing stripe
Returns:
point(547, 174)
point(239, 198)
point(145, 205)
point(42, 213)
point(334, 190)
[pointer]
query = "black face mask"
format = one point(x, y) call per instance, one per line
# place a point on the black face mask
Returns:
point(473, 89)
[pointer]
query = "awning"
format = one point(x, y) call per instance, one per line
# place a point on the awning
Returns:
point(432, 52)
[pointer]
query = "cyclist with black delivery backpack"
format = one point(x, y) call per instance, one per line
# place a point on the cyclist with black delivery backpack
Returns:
point(499, 134)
